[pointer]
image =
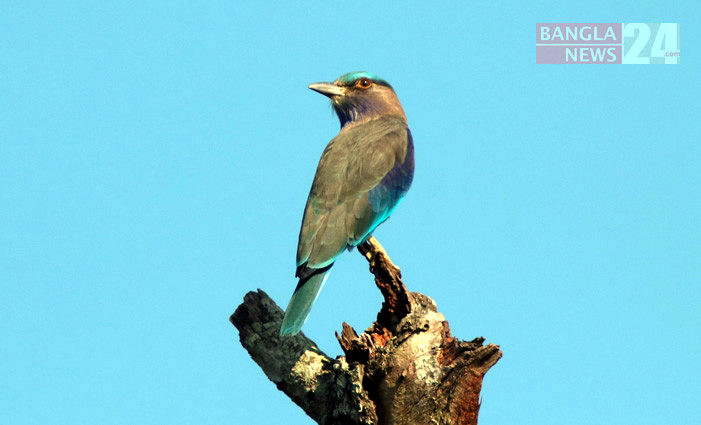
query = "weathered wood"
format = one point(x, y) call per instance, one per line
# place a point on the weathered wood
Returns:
point(406, 368)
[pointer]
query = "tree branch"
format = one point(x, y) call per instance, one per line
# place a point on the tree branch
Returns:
point(406, 368)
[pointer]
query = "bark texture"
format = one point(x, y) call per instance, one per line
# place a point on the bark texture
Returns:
point(406, 368)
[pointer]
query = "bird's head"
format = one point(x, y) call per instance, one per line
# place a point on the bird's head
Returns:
point(359, 96)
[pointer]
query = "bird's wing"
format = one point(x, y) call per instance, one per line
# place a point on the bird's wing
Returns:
point(339, 211)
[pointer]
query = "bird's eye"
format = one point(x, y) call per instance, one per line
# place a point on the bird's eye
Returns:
point(363, 83)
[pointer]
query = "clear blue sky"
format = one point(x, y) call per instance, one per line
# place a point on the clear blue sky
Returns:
point(155, 159)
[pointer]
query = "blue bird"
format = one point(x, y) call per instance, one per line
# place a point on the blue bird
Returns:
point(362, 175)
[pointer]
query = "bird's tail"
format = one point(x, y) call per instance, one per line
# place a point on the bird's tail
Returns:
point(301, 303)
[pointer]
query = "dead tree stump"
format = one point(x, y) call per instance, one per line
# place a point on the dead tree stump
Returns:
point(405, 369)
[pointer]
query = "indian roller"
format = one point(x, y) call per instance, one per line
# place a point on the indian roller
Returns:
point(362, 175)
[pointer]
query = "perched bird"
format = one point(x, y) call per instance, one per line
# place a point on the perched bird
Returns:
point(363, 174)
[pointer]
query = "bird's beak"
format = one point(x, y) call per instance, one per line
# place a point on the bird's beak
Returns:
point(327, 89)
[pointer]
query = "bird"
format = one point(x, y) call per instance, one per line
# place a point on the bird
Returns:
point(363, 174)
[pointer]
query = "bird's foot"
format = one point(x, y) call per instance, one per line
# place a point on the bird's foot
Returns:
point(369, 251)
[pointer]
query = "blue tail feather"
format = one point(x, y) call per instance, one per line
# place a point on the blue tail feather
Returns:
point(301, 303)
